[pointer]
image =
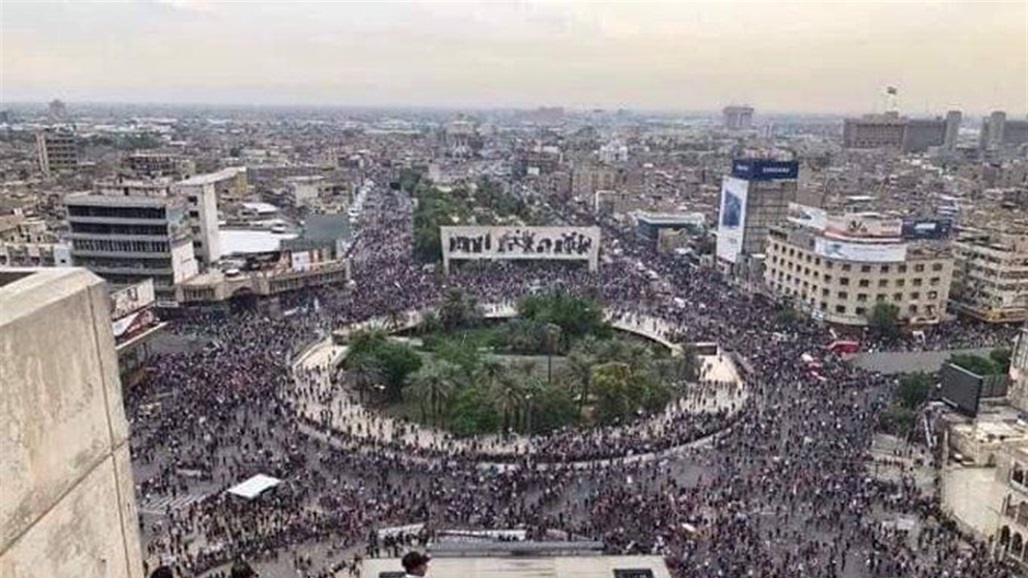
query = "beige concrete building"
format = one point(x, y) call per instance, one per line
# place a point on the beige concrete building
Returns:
point(1012, 534)
point(57, 151)
point(991, 277)
point(67, 504)
point(1018, 392)
point(841, 281)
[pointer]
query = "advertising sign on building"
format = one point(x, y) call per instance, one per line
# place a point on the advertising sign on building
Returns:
point(504, 242)
point(863, 226)
point(860, 252)
point(804, 216)
point(927, 228)
point(300, 260)
point(131, 299)
point(731, 218)
point(765, 169)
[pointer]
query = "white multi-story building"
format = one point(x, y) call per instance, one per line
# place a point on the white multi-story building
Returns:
point(1012, 534)
point(841, 281)
point(990, 277)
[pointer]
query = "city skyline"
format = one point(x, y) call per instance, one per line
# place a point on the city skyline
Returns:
point(799, 57)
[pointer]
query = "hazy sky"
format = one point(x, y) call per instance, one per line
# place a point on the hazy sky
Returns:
point(802, 57)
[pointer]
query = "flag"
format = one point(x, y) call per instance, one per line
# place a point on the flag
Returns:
point(891, 90)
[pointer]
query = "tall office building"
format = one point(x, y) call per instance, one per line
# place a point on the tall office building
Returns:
point(67, 500)
point(738, 117)
point(998, 131)
point(754, 198)
point(953, 120)
point(126, 240)
point(57, 151)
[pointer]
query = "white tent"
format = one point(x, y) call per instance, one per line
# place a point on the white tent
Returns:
point(254, 486)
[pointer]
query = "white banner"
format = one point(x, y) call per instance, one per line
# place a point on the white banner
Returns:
point(732, 218)
point(804, 216)
point(132, 298)
point(863, 226)
point(860, 252)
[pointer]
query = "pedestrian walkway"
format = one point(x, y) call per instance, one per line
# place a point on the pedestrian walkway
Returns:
point(158, 506)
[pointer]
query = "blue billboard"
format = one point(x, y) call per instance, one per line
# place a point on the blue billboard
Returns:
point(927, 228)
point(765, 169)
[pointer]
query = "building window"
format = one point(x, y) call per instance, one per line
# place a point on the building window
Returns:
point(902, 269)
point(901, 282)
point(828, 278)
point(897, 297)
point(885, 268)
point(919, 268)
point(823, 306)
point(915, 296)
point(917, 282)
point(864, 283)
point(840, 309)
point(846, 267)
point(937, 267)
point(883, 282)
point(934, 281)
point(933, 294)
point(825, 292)
point(880, 297)
point(865, 268)
point(860, 310)
point(845, 281)
point(829, 265)
point(913, 308)
point(862, 297)
point(843, 295)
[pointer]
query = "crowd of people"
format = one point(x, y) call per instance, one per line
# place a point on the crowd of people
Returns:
point(779, 487)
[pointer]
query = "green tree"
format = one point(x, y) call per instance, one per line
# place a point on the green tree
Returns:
point(612, 384)
point(396, 361)
point(457, 311)
point(552, 333)
point(974, 363)
point(913, 390)
point(1001, 359)
point(366, 373)
point(471, 412)
point(432, 386)
point(884, 319)
point(507, 399)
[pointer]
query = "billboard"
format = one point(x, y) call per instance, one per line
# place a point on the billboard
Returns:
point(927, 228)
point(509, 242)
point(860, 252)
point(131, 299)
point(732, 218)
point(765, 169)
point(961, 389)
point(804, 216)
point(863, 226)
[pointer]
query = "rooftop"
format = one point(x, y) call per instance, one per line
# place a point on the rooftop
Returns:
point(530, 567)
point(211, 178)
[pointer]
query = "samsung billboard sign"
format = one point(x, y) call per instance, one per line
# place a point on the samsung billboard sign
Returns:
point(765, 170)
point(927, 228)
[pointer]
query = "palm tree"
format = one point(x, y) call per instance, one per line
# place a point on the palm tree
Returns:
point(553, 332)
point(507, 398)
point(580, 367)
point(432, 385)
point(366, 373)
point(453, 311)
point(490, 369)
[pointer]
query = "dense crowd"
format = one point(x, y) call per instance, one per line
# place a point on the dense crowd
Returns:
point(777, 488)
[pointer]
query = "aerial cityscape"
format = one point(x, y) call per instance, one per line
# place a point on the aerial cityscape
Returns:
point(490, 289)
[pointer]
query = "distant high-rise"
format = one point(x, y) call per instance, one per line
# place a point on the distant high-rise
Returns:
point(57, 111)
point(890, 130)
point(953, 120)
point(738, 117)
point(57, 151)
point(998, 131)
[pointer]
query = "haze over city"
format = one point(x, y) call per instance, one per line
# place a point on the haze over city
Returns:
point(784, 57)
